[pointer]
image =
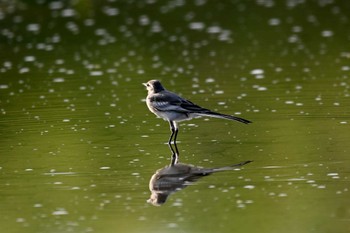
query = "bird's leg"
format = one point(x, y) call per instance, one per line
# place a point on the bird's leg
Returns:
point(174, 156)
point(176, 128)
point(174, 131)
point(172, 128)
point(172, 150)
point(174, 159)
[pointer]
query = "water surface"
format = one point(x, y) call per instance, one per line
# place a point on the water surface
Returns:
point(78, 144)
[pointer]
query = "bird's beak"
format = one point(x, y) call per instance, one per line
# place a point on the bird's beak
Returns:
point(145, 84)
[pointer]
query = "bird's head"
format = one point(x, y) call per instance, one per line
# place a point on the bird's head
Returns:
point(157, 199)
point(153, 86)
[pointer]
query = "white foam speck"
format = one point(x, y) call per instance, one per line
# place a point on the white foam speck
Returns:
point(274, 22)
point(257, 71)
point(214, 29)
point(58, 80)
point(33, 27)
point(29, 58)
point(327, 33)
point(60, 212)
point(197, 25)
point(68, 12)
point(96, 73)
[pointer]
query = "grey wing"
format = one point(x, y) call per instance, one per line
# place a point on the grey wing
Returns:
point(191, 107)
point(171, 102)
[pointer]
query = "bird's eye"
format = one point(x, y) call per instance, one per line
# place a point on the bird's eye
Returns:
point(147, 85)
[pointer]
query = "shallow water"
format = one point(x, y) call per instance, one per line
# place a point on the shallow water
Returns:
point(79, 145)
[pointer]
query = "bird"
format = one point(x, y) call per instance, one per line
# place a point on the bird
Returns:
point(178, 176)
point(173, 108)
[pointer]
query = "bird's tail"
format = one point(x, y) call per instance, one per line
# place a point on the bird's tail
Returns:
point(219, 169)
point(223, 116)
point(198, 172)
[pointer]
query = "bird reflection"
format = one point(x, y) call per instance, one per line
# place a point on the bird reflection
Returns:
point(178, 176)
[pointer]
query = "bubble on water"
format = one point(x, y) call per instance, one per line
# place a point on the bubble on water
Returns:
point(249, 187)
point(29, 58)
point(257, 72)
point(89, 22)
point(58, 80)
point(156, 27)
point(40, 46)
point(33, 27)
point(289, 102)
point(343, 122)
point(96, 73)
point(23, 70)
point(333, 174)
point(20, 220)
point(8, 64)
point(4, 86)
point(214, 29)
point(327, 33)
point(56, 5)
point(112, 71)
point(172, 225)
point(105, 168)
point(144, 20)
point(345, 68)
point(298, 87)
point(38, 205)
point(73, 27)
point(262, 88)
point(111, 11)
point(345, 54)
point(274, 22)
point(197, 26)
point(178, 202)
point(68, 13)
point(225, 35)
point(293, 39)
point(209, 80)
point(297, 29)
point(60, 212)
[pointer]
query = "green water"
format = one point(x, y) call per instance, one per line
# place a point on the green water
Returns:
point(78, 144)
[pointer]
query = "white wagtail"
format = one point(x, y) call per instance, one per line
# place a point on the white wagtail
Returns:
point(173, 108)
point(175, 177)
